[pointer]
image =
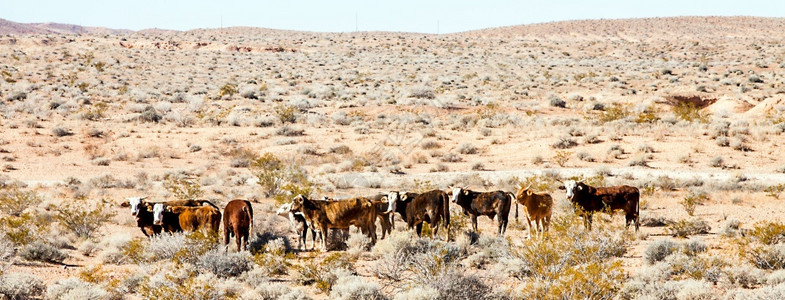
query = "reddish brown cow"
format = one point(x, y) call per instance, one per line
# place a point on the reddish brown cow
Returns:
point(385, 219)
point(491, 204)
point(187, 218)
point(325, 215)
point(432, 207)
point(590, 199)
point(238, 222)
point(538, 208)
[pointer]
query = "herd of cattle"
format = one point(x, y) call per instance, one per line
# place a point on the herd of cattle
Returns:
point(433, 207)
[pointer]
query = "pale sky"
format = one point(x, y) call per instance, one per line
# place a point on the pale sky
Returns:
point(346, 16)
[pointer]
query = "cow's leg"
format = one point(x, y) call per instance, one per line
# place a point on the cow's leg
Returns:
point(474, 223)
point(531, 230)
point(226, 238)
point(238, 236)
point(587, 220)
point(324, 232)
point(419, 229)
point(435, 227)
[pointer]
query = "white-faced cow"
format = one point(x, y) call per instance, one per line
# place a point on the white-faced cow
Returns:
point(340, 214)
point(589, 199)
point(238, 222)
point(297, 220)
point(386, 220)
point(538, 208)
point(492, 204)
point(432, 207)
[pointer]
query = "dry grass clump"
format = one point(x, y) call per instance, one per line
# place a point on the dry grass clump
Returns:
point(83, 219)
point(18, 286)
point(685, 228)
point(42, 251)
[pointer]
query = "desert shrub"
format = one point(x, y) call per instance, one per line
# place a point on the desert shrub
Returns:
point(269, 291)
point(478, 166)
point(357, 242)
point(19, 286)
point(197, 243)
point(730, 227)
point(420, 292)
point(181, 187)
point(42, 251)
point(690, 112)
point(451, 157)
point(467, 148)
point(768, 233)
point(227, 90)
point(564, 143)
point(281, 179)
point(659, 249)
point(593, 280)
point(680, 265)
point(557, 102)
point(285, 113)
point(488, 249)
point(640, 161)
point(743, 276)
point(287, 130)
point(612, 113)
point(585, 156)
point(182, 283)
point(692, 200)
point(355, 287)
point(225, 264)
point(14, 201)
point(717, 162)
point(693, 246)
point(430, 144)
point(61, 131)
point(774, 191)
point(7, 250)
point(75, 288)
point(23, 229)
point(325, 273)
point(767, 257)
point(150, 115)
point(685, 228)
point(422, 92)
point(83, 219)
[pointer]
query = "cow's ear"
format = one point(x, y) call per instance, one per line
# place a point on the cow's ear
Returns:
point(529, 192)
point(168, 209)
point(404, 197)
point(580, 187)
point(125, 203)
point(466, 192)
point(149, 207)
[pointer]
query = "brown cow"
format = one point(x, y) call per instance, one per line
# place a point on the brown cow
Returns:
point(143, 212)
point(491, 204)
point(238, 222)
point(340, 214)
point(538, 207)
point(187, 218)
point(590, 199)
point(432, 207)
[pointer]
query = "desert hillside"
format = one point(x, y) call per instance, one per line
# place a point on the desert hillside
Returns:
point(689, 110)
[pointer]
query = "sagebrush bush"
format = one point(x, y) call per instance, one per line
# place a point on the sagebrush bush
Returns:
point(467, 148)
point(225, 264)
point(685, 228)
point(325, 273)
point(355, 287)
point(659, 249)
point(75, 288)
point(181, 187)
point(41, 251)
point(767, 257)
point(20, 286)
point(287, 130)
point(743, 276)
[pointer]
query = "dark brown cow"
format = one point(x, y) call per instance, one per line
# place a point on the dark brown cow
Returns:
point(590, 199)
point(432, 207)
point(187, 218)
point(238, 220)
point(538, 208)
point(329, 214)
point(143, 211)
point(491, 204)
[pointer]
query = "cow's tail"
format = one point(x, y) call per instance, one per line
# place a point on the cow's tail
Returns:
point(446, 213)
point(249, 210)
point(202, 202)
point(513, 200)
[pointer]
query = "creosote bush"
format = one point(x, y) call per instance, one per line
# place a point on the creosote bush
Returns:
point(19, 286)
point(182, 187)
point(83, 219)
point(14, 201)
point(280, 179)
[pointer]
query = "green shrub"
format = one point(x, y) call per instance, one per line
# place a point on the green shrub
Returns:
point(82, 219)
point(282, 180)
point(768, 233)
point(286, 113)
point(182, 188)
point(324, 274)
point(228, 89)
point(690, 112)
point(14, 201)
point(692, 200)
point(774, 191)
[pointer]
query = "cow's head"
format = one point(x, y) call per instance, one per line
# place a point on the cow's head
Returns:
point(283, 211)
point(392, 200)
point(158, 213)
point(297, 203)
point(572, 187)
point(135, 203)
point(456, 192)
